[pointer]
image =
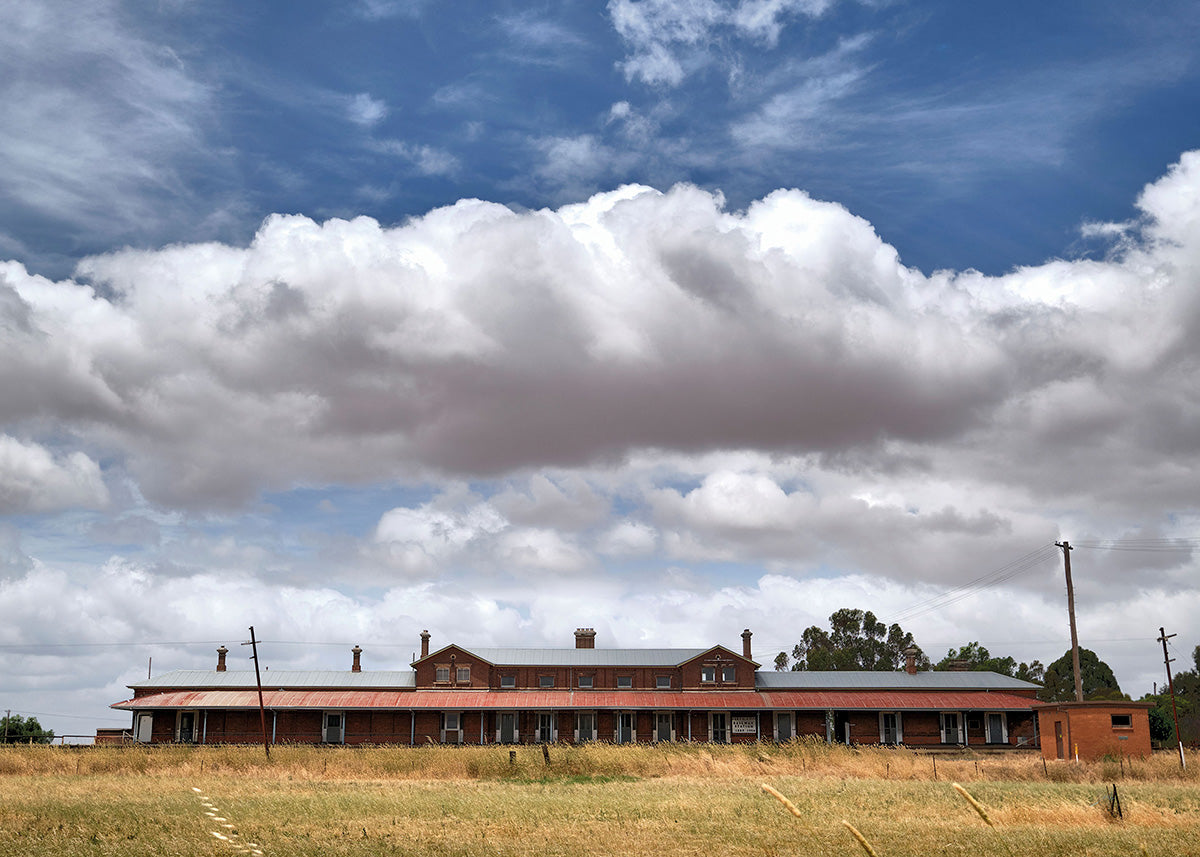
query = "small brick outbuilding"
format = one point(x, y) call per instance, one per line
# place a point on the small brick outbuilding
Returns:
point(1093, 730)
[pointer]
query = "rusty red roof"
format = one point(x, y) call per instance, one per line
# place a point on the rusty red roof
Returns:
point(461, 700)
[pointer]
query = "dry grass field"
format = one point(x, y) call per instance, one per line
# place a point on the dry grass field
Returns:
point(593, 800)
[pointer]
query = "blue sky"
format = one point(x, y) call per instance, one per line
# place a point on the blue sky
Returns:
point(665, 318)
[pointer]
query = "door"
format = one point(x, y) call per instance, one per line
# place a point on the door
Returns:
point(996, 731)
point(545, 728)
point(783, 726)
point(951, 734)
point(144, 730)
point(664, 726)
point(889, 732)
point(508, 727)
point(625, 734)
point(719, 727)
point(1058, 739)
point(187, 727)
point(585, 726)
point(333, 728)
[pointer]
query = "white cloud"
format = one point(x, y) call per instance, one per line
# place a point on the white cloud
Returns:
point(364, 110)
point(98, 117)
point(33, 480)
point(669, 38)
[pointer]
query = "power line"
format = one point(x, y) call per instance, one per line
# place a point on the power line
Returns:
point(1021, 565)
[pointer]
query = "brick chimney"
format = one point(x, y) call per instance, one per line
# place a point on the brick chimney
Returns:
point(424, 644)
point(221, 653)
point(356, 667)
point(585, 638)
point(910, 660)
point(746, 635)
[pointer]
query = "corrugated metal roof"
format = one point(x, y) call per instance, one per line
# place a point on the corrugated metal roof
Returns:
point(379, 679)
point(848, 679)
point(563, 699)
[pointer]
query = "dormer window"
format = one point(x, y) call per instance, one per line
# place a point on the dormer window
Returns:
point(729, 674)
point(508, 681)
point(441, 675)
point(545, 681)
point(708, 674)
point(464, 675)
point(662, 682)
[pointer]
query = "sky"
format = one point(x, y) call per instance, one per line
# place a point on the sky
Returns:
point(663, 317)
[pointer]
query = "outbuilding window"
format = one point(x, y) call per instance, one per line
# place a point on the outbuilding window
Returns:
point(1122, 721)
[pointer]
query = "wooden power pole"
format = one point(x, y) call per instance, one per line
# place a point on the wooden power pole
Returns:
point(1066, 549)
point(262, 712)
point(1163, 636)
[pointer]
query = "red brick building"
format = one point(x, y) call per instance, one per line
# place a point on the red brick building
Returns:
point(1094, 729)
point(483, 695)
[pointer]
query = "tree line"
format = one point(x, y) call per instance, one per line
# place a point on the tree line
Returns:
point(857, 640)
point(15, 729)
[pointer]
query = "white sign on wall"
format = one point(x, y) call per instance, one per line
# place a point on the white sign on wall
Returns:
point(744, 725)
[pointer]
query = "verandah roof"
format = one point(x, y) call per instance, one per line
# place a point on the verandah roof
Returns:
point(491, 700)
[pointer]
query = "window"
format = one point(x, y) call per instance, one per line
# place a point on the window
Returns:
point(1122, 721)
point(441, 674)
point(508, 681)
point(708, 673)
point(624, 681)
point(728, 673)
point(464, 675)
point(662, 682)
point(586, 682)
point(545, 681)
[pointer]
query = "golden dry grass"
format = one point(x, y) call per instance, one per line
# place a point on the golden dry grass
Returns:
point(677, 800)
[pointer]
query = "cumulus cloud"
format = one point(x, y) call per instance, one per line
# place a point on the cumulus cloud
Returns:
point(636, 320)
point(33, 480)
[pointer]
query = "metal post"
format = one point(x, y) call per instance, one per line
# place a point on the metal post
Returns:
point(1163, 637)
point(262, 711)
point(1066, 549)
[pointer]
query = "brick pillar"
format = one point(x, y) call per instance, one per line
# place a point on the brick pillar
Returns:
point(585, 638)
point(357, 666)
point(221, 653)
point(746, 635)
point(910, 660)
point(424, 644)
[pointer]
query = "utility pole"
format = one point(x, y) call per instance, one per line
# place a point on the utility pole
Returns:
point(7, 715)
point(1163, 637)
point(1066, 549)
point(262, 711)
